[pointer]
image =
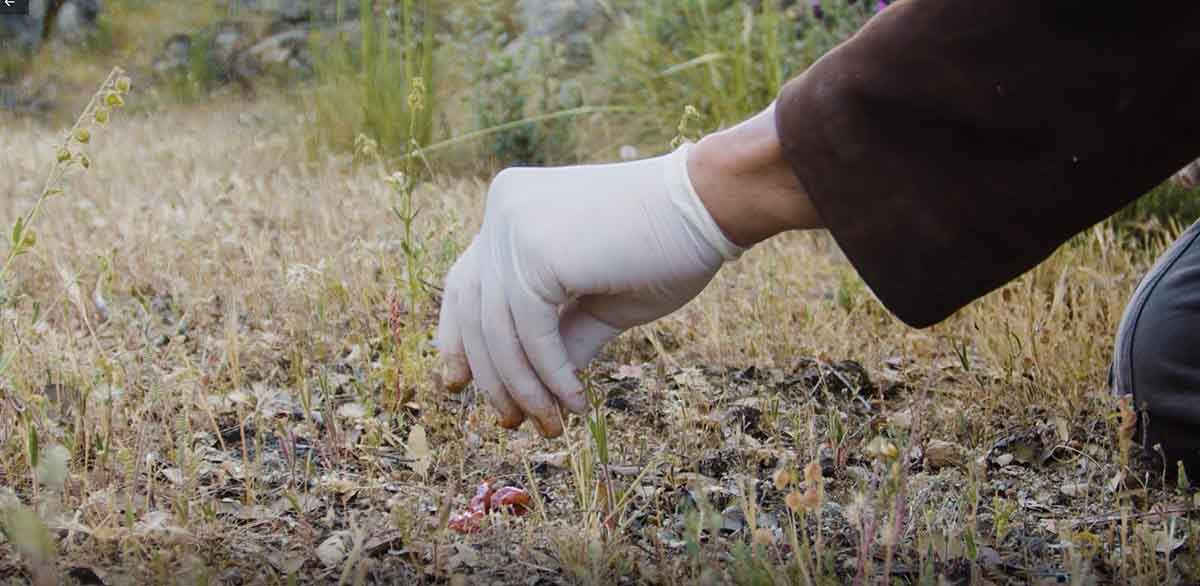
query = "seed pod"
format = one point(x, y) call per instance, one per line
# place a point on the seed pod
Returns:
point(102, 116)
point(83, 135)
point(64, 155)
point(794, 501)
point(84, 161)
point(123, 84)
point(782, 479)
point(114, 100)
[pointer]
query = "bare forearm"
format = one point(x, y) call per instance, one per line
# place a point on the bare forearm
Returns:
point(741, 176)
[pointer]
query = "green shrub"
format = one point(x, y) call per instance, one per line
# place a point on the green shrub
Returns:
point(364, 83)
point(725, 57)
point(1167, 203)
point(516, 85)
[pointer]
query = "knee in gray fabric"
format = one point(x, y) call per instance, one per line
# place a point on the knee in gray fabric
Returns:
point(1157, 353)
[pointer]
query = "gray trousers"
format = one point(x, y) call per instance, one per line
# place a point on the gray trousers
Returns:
point(1156, 357)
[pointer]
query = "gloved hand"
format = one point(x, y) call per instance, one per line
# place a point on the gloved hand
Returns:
point(567, 259)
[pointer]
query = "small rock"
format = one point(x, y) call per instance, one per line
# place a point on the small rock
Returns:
point(332, 551)
point(560, 18)
point(941, 454)
point(1004, 460)
point(733, 520)
point(76, 20)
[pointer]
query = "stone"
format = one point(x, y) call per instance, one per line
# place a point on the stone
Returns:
point(941, 454)
point(558, 19)
point(299, 11)
point(575, 25)
point(76, 20)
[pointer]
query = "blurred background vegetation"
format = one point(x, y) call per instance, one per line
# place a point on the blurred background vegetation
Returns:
point(505, 82)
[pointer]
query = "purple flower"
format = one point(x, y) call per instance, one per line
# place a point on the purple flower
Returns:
point(818, 12)
point(881, 4)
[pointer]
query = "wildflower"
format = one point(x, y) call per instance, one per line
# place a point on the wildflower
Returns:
point(64, 155)
point(818, 12)
point(114, 100)
point(101, 116)
point(83, 135)
point(123, 84)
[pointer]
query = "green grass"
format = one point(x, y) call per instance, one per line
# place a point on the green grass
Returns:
point(365, 81)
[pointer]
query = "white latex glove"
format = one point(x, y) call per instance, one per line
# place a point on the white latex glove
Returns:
point(567, 259)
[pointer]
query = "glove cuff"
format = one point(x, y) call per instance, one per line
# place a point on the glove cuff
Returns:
point(684, 197)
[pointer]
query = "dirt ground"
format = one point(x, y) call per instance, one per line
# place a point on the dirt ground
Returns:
point(228, 384)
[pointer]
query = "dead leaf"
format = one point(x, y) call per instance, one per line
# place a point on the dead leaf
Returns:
point(560, 460)
point(418, 451)
point(173, 475)
point(353, 411)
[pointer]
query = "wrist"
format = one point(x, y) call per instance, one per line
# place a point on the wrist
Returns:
point(749, 189)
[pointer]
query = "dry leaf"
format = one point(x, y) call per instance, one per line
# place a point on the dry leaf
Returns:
point(418, 451)
point(353, 411)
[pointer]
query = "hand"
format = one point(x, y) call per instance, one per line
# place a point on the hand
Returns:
point(567, 259)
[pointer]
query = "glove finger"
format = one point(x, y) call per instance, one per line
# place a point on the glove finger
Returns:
point(538, 329)
point(584, 334)
point(456, 370)
point(468, 308)
point(509, 358)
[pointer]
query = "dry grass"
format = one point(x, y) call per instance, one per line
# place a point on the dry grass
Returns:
point(204, 326)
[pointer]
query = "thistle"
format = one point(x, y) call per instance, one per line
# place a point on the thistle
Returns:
point(68, 154)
